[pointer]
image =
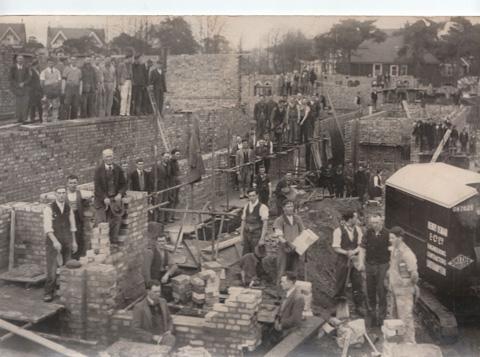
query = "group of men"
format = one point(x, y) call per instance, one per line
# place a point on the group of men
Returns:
point(87, 86)
point(388, 264)
point(297, 82)
point(64, 217)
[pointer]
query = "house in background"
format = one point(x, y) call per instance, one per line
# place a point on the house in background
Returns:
point(381, 58)
point(13, 35)
point(56, 36)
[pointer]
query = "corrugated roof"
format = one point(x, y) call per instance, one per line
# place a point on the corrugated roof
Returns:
point(19, 29)
point(440, 183)
point(386, 51)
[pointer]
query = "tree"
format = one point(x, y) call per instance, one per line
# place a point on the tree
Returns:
point(81, 45)
point(419, 39)
point(289, 49)
point(125, 41)
point(175, 34)
point(345, 37)
point(216, 44)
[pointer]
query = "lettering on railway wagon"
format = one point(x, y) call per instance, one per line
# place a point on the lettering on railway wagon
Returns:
point(436, 228)
point(436, 268)
point(436, 250)
point(460, 262)
point(465, 208)
point(436, 258)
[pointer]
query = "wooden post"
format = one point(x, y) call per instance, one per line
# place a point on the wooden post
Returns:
point(40, 340)
point(227, 180)
point(11, 253)
point(217, 240)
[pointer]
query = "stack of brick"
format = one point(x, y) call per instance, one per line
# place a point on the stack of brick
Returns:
point(73, 290)
point(29, 236)
point(219, 269)
point(101, 290)
point(5, 217)
point(181, 289)
point(198, 290)
point(235, 323)
point(212, 286)
point(100, 245)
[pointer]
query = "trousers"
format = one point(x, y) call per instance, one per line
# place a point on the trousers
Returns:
point(376, 290)
point(114, 222)
point(403, 310)
point(341, 274)
point(52, 265)
point(250, 240)
point(125, 97)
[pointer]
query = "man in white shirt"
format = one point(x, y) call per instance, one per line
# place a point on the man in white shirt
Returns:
point(51, 82)
point(59, 227)
point(76, 200)
point(346, 243)
point(254, 222)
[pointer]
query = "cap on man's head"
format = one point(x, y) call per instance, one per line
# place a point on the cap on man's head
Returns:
point(398, 231)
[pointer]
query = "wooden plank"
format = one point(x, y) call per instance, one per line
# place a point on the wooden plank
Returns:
point(40, 340)
point(11, 255)
point(224, 244)
point(67, 339)
point(11, 334)
point(18, 304)
point(307, 329)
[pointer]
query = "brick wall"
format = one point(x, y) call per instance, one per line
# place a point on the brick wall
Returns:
point(7, 99)
point(36, 159)
point(5, 218)
point(203, 81)
point(248, 82)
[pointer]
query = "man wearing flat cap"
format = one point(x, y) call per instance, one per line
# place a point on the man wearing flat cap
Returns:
point(110, 187)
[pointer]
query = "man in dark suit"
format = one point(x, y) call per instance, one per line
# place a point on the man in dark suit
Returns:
point(290, 314)
point(110, 186)
point(19, 85)
point(139, 85)
point(140, 180)
point(151, 320)
point(157, 82)
point(163, 182)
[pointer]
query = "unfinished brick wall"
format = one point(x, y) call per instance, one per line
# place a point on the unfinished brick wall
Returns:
point(7, 99)
point(37, 159)
point(224, 331)
point(203, 81)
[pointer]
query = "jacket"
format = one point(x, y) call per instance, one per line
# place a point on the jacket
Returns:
point(291, 311)
point(18, 77)
point(134, 181)
point(240, 159)
point(157, 80)
point(100, 184)
point(142, 321)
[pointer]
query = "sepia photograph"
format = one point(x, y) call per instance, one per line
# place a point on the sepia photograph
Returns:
point(249, 185)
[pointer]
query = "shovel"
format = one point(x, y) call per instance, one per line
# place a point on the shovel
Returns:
point(343, 311)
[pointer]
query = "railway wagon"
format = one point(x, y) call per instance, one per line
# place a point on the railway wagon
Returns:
point(438, 206)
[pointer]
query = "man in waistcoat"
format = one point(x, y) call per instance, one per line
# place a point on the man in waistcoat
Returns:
point(346, 243)
point(287, 227)
point(76, 203)
point(374, 258)
point(59, 227)
point(254, 222)
point(110, 186)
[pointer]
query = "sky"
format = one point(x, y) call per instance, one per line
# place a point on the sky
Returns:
point(251, 30)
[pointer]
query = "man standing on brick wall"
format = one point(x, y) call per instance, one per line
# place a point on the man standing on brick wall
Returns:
point(59, 227)
point(260, 116)
point(110, 83)
point(159, 85)
point(244, 160)
point(151, 320)
point(89, 89)
point(72, 88)
point(254, 223)
point(76, 203)
point(98, 66)
point(139, 85)
point(346, 243)
point(287, 227)
point(124, 80)
point(36, 93)
point(110, 187)
point(51, 81)
point(19, 85)
point(374, 259)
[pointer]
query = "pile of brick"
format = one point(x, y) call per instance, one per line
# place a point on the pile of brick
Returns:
point(198, 290)
point(181, 289)
point(219, 270)
point(212, 286)
point(100, 245)
point(235, 322)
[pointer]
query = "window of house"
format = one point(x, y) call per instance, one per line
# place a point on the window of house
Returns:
point(377, 69)
point(394, 70)
point(404, 69)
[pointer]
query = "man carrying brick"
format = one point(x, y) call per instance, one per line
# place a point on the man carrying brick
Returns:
point(110, 186)
point(287, 227)
point(254, 223)
point(151, 319)
point(59, 227)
